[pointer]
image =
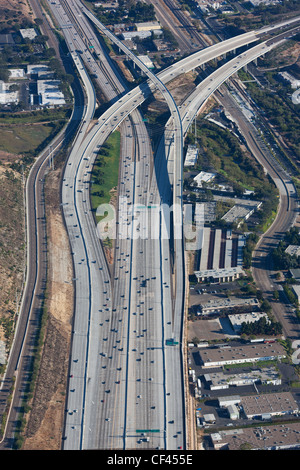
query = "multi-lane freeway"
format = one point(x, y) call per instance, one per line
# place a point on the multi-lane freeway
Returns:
point(114, 418)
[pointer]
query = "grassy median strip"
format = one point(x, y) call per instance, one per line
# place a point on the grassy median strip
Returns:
point(105, 172)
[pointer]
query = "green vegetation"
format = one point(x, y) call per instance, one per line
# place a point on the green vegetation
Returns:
point(261, 327)
point(283, 260)
point(26, 134)
point(128, 11)
point(225, 155)
point(263, 14)
point(18, 139)
point(106, 171)
point(251, 242)
point(281, 113)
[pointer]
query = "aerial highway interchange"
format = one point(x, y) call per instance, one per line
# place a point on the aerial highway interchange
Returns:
point(126, 387)
point(122, 377)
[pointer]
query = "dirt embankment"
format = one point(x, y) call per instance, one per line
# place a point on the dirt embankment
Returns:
point(12, 252)
point(45, 422)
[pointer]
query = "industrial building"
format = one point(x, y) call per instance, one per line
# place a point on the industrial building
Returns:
point(148, 26)
point(204, 177)
point(28, 33)
point(266, 405)
point(6, 95)
point(191, 155)
point(275, 437)
point(49, 93)
point(213, 306)
point(221, 256)
point(221, 381)
point(224, 402)
point(220, 275)
point(241, 212)
point(218, 357)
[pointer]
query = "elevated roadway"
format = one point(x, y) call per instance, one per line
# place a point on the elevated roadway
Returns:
point(107, 123)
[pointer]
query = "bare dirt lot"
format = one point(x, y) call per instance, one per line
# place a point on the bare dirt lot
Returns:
point(14, 10)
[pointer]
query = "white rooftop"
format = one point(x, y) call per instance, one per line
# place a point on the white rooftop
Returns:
point(203, 177)
point(49, 93)
point(36, 68)
point(191, 155)
point(28, 33)
point(7, 96)
point(17, 73)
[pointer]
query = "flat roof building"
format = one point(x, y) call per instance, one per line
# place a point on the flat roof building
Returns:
point(293, 250)
point(191, 155)
point(237, 320)
point(16, 73)
point(218, 357)
point(296, 290)
point(295, 273)
point(220, 275)
point(221, 381)
point(217, 305)
point(6, 39)
point(294, 82)
point(240, 212)
point(36, 69)
point(7, 96)
point(204, 177)
point(271, 404)
point(274, 437)
point(28, 33)
point(148, 26)
point(139, 34)
point(49, 93)
point(146, 61)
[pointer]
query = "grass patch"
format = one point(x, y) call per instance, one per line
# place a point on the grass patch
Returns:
point(18, 139)
point(105, 172)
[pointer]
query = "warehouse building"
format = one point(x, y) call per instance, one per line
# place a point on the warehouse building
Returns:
point(191, 155)
point(240, 212)
point(213, 306)
point(224, 402)
point(49, 93)
point(275, 437)
point(219, 380)
point(268, 405)
point(218, 357)
point(148, 26)
point(220, 275)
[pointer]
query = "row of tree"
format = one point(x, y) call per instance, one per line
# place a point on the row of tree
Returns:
point(263, 326)
point(283, 260)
